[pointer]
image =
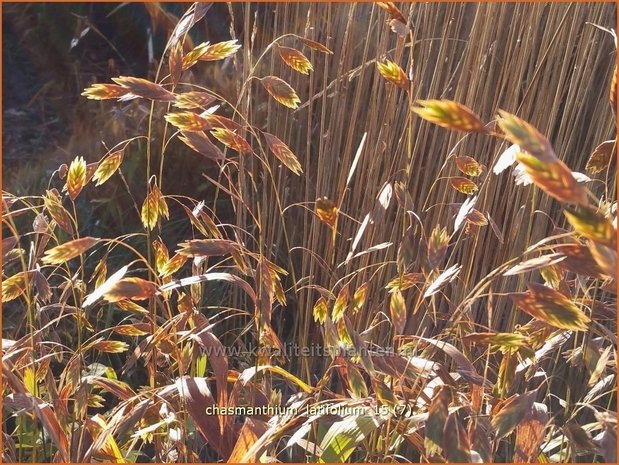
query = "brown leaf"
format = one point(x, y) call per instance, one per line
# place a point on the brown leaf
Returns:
point(315, 45)
point(249, 434)
point(283, 153)
point(392, 10)
point(281, 91)
point(65, 252)
point(76, 177)
point(579, 260)
point(464, 185)
point(138, 87)
point(199, 142)
point(232, 140)
point(108, 167)
point(449, 114)
point(393, 73)
point(295, 59)
point(612, 96)
point(551, 307)
point(475, 217)
point(512, 413)
point(456, 442)
point(207, 247)
point(601, 156)
point(435, 424)
point(218, 121)
point(130, 288)
point(175, 62)
point(405, 281)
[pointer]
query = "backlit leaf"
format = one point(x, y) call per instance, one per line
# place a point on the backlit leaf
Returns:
point(592, 224)
point(139, 87)
point(464, 185)
point(468, 166)
point(551, 307)
point(449, 114)
point(108, 167)
point(68, 250)
point(76, 177)
point(437, 246)
point(554, 178)
point(341, 304)
point(283, 153)
point(281, 91)
point(320, 310)
point(326, 211)
point(110, 347)
point(150, 209)
point(220, 50)
point(359, 297)
point(393, 73)
point(231, 140)
point(295, 59)
point(172, 265)
point(187, 121)
point(529, 139)
point(15, 286)
point(104, 91)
